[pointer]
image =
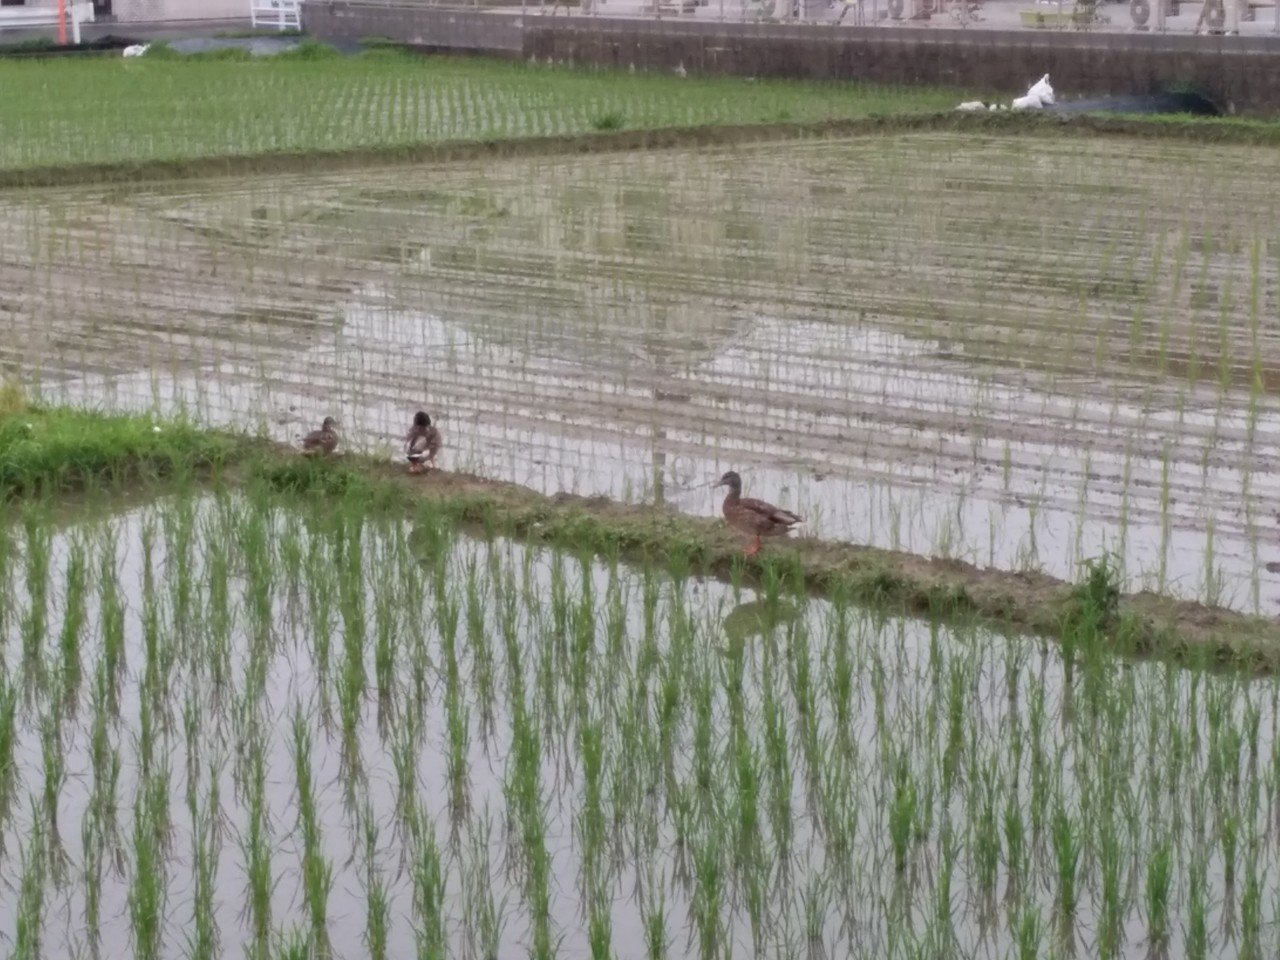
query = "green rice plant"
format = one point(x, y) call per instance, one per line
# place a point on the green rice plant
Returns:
point(8, 739)
point(483, 919)
point(257, 853)
point(378, 914)
point(111, 606)
point(1029, 932)
point(30, 908)
point(36, 543)
point(429, 885)
point(1113, 908)
point(104, 757)
point(74, 617)
point(708, 896)
point(1066, 850)
point(1251, 908)
point(655, 930)
point(902, 813)
point(202, 941)
point(55, 777)
point(1158, 882)
point(457, 721)
point(317, 871)
point(91, 845)
point(600, 930)
point(1197, 935)
point(747, 802)
point(146, 892)
point(1229, 837)
point(984, 838)
point(295, 944)
point(385, 644)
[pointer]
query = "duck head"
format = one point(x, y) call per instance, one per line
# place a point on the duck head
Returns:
point(732, 481)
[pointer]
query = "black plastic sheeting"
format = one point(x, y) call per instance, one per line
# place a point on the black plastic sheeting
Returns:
point(1149, 103)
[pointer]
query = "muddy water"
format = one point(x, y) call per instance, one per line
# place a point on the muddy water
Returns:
point(1018, 352)
point(1170, 742)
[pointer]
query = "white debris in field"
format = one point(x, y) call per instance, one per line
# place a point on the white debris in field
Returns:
point(1039, 96)
point(136, 49)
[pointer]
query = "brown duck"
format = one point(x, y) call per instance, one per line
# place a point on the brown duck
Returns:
point(322, 441)
point(752, 516)
point(421, 443)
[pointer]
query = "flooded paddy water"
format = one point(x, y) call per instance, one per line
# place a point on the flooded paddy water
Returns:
point(1020, 352)
point(233, 725)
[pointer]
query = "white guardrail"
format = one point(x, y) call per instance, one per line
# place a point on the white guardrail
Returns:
point(77, 12)
point(281, 14)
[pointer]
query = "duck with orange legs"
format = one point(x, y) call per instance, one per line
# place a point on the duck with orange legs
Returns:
point(754, 517)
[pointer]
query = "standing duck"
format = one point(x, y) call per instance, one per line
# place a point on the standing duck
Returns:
point(752, 516)
point(421, 443)
point(322, 441)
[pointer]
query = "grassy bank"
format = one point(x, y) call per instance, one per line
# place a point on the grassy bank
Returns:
point(167, 110)
point(53, 451)
point(58, 450)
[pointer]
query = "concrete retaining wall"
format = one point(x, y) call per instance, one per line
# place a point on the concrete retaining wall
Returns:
point(1242, 74)
point(431, 28)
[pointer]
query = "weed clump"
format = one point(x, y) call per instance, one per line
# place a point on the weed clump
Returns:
point(608, 121)
point(1095, 601)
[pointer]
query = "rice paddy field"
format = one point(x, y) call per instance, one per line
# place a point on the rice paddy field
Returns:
point(1017, 353)
point(166, 109)
point(288, 712)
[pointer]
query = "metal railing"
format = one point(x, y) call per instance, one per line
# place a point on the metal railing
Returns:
point(281, 14)
point(76, 11)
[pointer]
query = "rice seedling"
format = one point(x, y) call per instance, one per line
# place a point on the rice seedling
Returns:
point(146, 893)
point(317, 872)
point(27, 933)
point(379, 909)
